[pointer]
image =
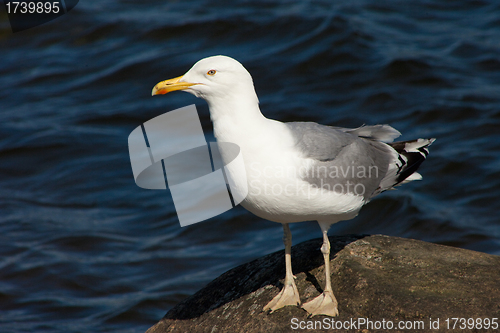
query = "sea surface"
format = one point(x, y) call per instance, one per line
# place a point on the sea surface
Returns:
point(84, 249)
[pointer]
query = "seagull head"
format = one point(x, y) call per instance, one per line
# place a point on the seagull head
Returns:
point(212, 78)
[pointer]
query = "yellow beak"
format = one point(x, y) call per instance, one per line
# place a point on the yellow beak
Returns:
point(164, 87)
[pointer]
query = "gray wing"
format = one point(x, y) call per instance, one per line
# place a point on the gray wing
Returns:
point(345, 160)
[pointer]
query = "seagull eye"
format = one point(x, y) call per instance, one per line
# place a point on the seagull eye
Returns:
point(211, 72)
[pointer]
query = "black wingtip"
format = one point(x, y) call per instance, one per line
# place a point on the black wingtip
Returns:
point(411, 154)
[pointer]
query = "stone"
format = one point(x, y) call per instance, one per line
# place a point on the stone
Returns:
point(378, 280)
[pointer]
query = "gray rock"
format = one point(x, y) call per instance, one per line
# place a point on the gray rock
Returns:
point(377, 278)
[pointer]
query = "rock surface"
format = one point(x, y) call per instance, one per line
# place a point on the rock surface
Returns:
point(378, 278)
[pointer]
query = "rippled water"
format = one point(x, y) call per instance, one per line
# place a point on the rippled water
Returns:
point(83, 249)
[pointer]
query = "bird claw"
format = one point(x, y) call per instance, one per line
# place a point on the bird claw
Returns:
point(324, 304)
point(289, 295)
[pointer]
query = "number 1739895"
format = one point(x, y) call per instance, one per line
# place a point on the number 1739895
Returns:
point(33, 7)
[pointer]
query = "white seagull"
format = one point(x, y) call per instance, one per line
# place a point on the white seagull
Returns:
point(298, 171)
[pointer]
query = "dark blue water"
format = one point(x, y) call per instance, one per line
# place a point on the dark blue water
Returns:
point(83, 249)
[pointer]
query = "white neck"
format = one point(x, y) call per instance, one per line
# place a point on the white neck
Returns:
point(235, 118)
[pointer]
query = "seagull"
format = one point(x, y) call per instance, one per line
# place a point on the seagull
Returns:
point(298, 171)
